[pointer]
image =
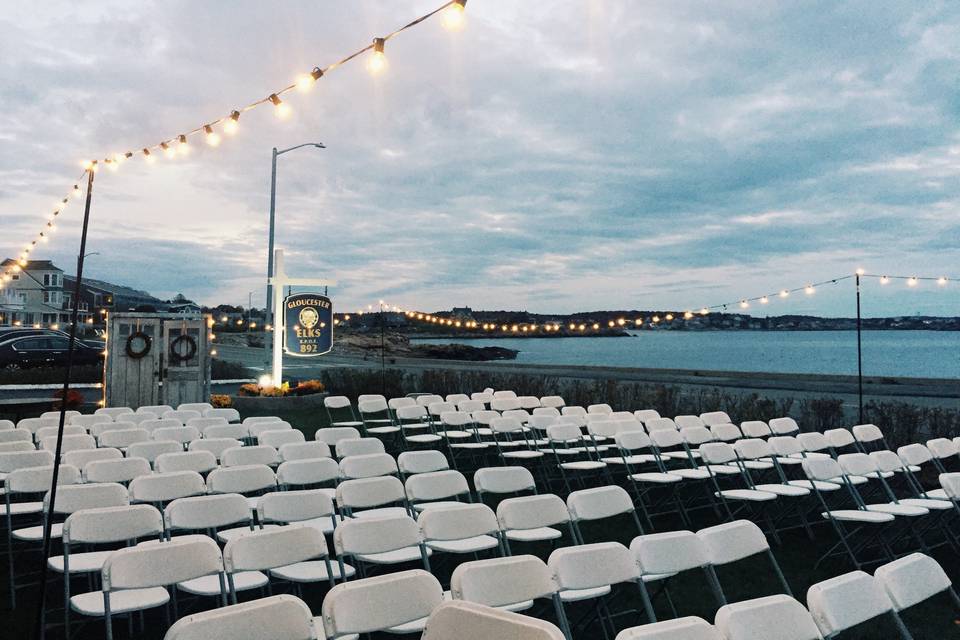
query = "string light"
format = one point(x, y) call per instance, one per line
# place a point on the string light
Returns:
point(168, 151)
point(764, 300)
point(942, 281)
point(809, 290)
point(784, 293)
point(884, 280)
point(184, 146)
point(213, 138)
point(281, 108)
point(148, 156)
point(378, 59)
point(453, 18)
point(307, 80)
point(231, 124)
point(912, 282)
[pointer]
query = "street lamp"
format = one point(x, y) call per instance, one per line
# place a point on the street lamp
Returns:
point(273, 208)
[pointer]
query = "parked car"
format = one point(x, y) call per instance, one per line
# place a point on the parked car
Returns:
point(9, 333)
point(25, 351)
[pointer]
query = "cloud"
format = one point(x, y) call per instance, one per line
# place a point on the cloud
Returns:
point(551, 156)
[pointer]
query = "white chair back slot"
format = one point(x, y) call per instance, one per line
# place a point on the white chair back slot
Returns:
point(303, 450)
point(241, 479)
point(199, 461)
point(101, 525)
point(308, 471)
point(589, 566)
point(368, 466)
point(503, 480)
point(207, 512)
point(241, 456)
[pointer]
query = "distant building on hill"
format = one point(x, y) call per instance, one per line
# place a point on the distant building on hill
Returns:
point(463, 313)
point(102, 297)
point(35, 295)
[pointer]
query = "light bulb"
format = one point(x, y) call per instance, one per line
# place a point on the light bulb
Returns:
point(784, 293)
point(744, 304)
point(912, 282)
point(378, 59)
point(76, 190)
point(704, 311)
point(453, 18)
point(861, 271)
point(611, 323)
point(764, 300)
point(168, 151)
point(148, 156)
point(213, 138)
point(307, 80)
point(687, 315)
point(231, 124)
point(118, 158)
point(942, 281)
point(281, 108)
point(884, 280)
point(809, 290)
point(112, 164)
point(184, 146)
point(669, 317)
point(656, 318)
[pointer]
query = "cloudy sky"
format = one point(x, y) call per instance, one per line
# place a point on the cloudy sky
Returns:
point(553, 156)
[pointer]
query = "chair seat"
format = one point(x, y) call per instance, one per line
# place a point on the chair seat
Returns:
point(421, 506)
point(469, 445)
point(464, 545)
point(759, 465)
point(690, 474)
point(383, 430)
point(324, 524)
point(32, 534)
point(381, 512)
point(657, 478)
point(414, 626)
point(927, 503)
point(584, 465)
point(347, 423)
point(676, 455)
point(783, 490)
point(819, 485)
point(789, 461)
point(210, 585)
point(455, 434)
point(565, 451)
point(22, 508)
point(230, 534)
point(423, 437)
point(811, 454)
point(723, 469)
point(81, 562)
point(639, 458)
point(91, 603)
point(747, 495)
point(533, 535)
point(898, 509)
point(312, 571)
point(856, 515)
point(416, 425)
point(574, 595)
point(407, 554)
point(938, 494)
point(526, 454)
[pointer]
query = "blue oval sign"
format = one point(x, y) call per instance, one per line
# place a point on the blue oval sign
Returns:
point(308, 320)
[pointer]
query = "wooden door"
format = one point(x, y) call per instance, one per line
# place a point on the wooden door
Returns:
point(133, 361)
point(186, 364)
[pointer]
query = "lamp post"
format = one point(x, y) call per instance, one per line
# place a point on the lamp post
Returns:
point(273, 208)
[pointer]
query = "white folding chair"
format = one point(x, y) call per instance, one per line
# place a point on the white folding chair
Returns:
point(371, 497)
point(303, 451)
point(340, 412)
point(243, 479)
point(160, 488)
point(368, 466)
point(382, 540)
point(309, 471)
point(914, 578)
point(181, 415)
point(711, 418)
point(200, 461)
point(359, 447)
point(436, 489)
point(776, 617)
point(460, 620)
point(256, 454)
point(332, 435)
point(308, 507)
point(845, 601)
point(465, 528)
point(215, 446)
point(413, 462)
point(80, 459)
point(689, 628)
point(532, 518)
point(123, 438)
point(375, 415)
point(734, 541)
point(114, 412)
point(600, 503)
point(122, 470)
point(200, 407)
point(227, 413)
point(395, 603)
point(282, 617)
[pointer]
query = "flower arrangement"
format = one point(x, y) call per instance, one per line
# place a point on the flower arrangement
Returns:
point(305, 388)
point(74, 399)
point(221, 401)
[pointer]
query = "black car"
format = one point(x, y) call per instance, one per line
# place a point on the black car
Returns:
point(50, 350)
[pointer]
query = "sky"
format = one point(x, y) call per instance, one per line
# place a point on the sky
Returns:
point(550, 156)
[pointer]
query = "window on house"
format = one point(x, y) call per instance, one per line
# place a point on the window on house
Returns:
point(51, 279)
point(52, 297)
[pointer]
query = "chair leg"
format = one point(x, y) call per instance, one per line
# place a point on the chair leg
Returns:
point(107, 619)
point(901, 627)
point(715, 585)
point(779, 572)
point(562, 617)
point(647, 604)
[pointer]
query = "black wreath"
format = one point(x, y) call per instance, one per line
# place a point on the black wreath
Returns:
point(147, 343)
point(175, 354)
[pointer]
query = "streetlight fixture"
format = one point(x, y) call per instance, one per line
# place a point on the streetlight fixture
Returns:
point(273, 209)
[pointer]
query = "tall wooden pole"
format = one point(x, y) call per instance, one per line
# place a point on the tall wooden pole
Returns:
point(51, 504)
point(859, 355)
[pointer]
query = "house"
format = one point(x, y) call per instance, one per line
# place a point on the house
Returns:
point(102, 297)
point(182, 304)
point(34, 295)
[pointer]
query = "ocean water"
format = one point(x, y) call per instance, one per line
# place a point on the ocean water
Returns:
point(923, 354)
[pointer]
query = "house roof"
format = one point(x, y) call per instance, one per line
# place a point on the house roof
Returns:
point(34, 265)
point(115, 289)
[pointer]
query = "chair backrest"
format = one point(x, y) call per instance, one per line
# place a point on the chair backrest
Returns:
point(564, 433)
point(822, 468)
point(364, 493)
point(98, 430)
point(374, 604)
point(785, 445)
point(458, 620)
point(303, 450)
point(887, 461)
point(456, 418)
point(16, 445)
point(378, 534)
point(695, 436)
point(281, 617)
point(70, 443)
point(157, 565)
point(603, 408)
point(458, 522)
point(254, 429)
point(117, 470)
point(857, 464)
point(914, 454)
point(257, 454)
point(333, 435)
point(227, 413)
point(951, 485)
point(660, 424)
point(753, 448)
point(502, 581)
point(123, 438)
point(80, 459)
point(732, 541)
point(482, 396)
point(260, 419)
point(867, 433)
point(529, 402)
point(372, 405)
point(16, 435)
point(755, 429)
point(113, 412)
point(199, 461)
point(162, 487)
point(156, 409)
point(411, 462)
point(457, 398)
point(427, 399)
point(368, 466)
point(181, 415)
point(182, 435)
point(278, 438)
point(202, 424)
point(436, 485)
point(942, 448)
point(70, 413)
point(813, 441)
point(396, 403)
point(688, 421)
point(589, 566)
point(552, 401)
point(470, 406)
point(669, 552)
point(646, 415)
point(437, 408)
point(200, 407)
point(216, 446)
point(159, 423)
point(39, 479)
point(207, 512)
point(776, 617)
point(506, 425)
point(711, 418)
point(599, 502)
point(839, 438)
point(86, 421)
point(336, 402)
point(140, 417)
point(294, 506)
point(504, 404)
point(532, 512)
point(785, 426)
point(632, 440)
point(308, 471)
point(846, 601)
point(46, 432)
point(241, 479)
point(273, 548)
point(551, 412)
point(912, 579)
point(726, 432)
point(503, 480)
point(76, 497)
point(359, 447)
point(101, 525)
point(689, 628)
point(717, 453)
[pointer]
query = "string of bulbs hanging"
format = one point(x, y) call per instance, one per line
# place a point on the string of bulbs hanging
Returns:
point(453, 19)
point(808, 289)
